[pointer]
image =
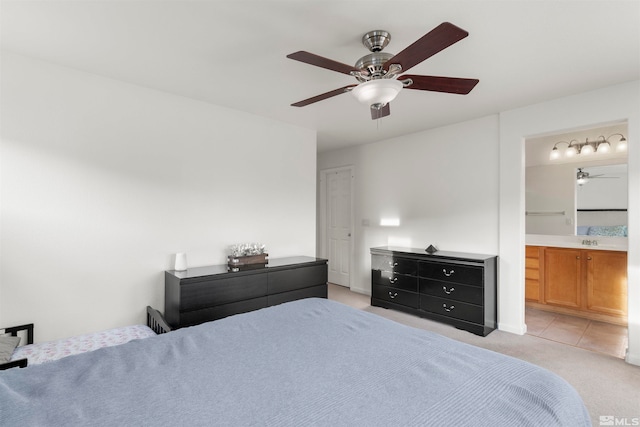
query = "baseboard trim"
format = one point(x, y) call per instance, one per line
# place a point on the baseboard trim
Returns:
point(632, 359)
point(361, 290)
point(513, 329)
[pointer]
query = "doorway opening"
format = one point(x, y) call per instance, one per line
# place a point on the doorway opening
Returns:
point(575, 257)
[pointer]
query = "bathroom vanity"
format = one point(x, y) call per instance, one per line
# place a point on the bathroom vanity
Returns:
point(574, 275)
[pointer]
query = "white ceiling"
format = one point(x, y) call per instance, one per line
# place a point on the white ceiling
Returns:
point(233, 53)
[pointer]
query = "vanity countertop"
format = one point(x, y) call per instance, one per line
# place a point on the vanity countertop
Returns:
point(603, 243)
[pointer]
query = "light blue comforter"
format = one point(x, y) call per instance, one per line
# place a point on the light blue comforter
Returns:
point(304, 363)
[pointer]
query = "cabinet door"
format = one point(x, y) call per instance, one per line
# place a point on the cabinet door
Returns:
point(532, 274)
point(607, 282)
point(562, 277)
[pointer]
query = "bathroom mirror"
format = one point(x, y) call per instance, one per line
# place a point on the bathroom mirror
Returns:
point(601, 200)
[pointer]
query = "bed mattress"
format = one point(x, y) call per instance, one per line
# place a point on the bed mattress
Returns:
point(303, 363)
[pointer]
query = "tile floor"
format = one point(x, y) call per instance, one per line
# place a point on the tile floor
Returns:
point(588, 334)
point(591, 335)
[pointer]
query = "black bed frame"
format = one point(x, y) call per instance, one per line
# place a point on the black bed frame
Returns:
point(155, 321)
point(13, 331)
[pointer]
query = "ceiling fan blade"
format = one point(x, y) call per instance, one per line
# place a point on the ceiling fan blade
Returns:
point(441, 37)
point(322, 96)
point(440, 84)
point(319, 61)
point(380, 113)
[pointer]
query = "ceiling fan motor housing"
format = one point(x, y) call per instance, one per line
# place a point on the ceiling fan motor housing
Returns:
point(376, 40)
point(373, 63)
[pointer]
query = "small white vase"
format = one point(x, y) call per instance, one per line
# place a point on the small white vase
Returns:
point(181, 262)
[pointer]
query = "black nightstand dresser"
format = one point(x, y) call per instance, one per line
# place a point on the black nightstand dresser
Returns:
point(451, 287)
point(202, 294)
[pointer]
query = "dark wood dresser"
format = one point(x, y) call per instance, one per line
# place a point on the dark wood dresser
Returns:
point(451, 287)
point(202, 294)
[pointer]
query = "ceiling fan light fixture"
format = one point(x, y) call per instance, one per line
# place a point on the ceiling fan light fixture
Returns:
point(379, 91)
point(582, 177)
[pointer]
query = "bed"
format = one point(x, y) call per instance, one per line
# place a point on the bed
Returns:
point(307, 362)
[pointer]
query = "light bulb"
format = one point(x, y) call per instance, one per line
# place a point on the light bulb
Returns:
point(586, 149)
point(571, 151)
point(622, 145)
point(604, 147)
point(555, 154)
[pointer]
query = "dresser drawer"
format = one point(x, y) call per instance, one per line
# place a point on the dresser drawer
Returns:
point(451, 308)
point(453, 291)
point(394, 264)
point(395, 295)
point(296, 278)
point(395, 280)
point(208, 293)
point(457, 273)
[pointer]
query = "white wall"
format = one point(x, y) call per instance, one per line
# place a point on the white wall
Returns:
point(551, 189)
point(622, 103)
point(442, 184)
point(102, 181)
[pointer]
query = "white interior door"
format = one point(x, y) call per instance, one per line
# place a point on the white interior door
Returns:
point(338, 226)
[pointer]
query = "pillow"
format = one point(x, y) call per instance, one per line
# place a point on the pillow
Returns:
point(583, 230)
point(7, 345)
point(608, 230)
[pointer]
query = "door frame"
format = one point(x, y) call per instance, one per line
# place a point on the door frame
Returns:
point(323, 215)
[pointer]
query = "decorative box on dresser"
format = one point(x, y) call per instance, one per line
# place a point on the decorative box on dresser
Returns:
point(202, 294)
point(451, 287)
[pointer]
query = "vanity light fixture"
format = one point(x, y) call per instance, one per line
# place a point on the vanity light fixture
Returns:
point(600, 146)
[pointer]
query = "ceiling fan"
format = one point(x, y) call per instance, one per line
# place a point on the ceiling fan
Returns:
point(378, 73)
point(583, 177)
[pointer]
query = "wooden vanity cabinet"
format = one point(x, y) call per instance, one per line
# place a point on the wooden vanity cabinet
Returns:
point(591, 283)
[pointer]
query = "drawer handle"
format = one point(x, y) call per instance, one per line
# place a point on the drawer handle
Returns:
point(449, 273)
point(448, 308)
point(393, 264)
point(444, 288)
point(393, 279)
point(393, 295)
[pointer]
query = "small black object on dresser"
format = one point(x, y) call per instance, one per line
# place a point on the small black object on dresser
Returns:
point(451, 287)
point(202, 294)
